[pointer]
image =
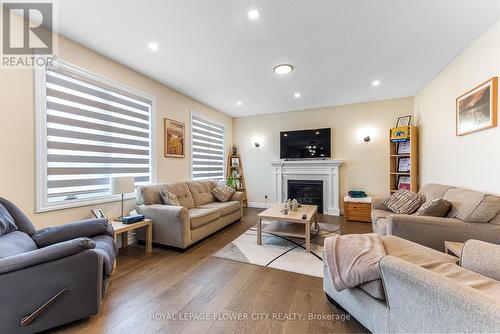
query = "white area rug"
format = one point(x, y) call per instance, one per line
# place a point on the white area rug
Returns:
point(285, 253)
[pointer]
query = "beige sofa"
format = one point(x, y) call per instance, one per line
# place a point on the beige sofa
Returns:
point(199, 215)
point(423, 291)
point(473, 215)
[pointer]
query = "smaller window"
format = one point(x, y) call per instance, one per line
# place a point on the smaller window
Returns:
point(207, 149)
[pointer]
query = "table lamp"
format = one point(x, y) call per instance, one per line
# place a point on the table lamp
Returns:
point(120, 186)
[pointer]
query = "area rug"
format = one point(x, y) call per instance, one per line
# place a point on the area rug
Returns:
point(280, 252)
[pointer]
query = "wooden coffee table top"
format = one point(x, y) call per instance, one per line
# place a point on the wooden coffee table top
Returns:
point(275, 213)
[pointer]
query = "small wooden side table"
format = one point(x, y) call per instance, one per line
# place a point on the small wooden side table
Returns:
point(455, 248)
point(358, 209)
point(122, 229)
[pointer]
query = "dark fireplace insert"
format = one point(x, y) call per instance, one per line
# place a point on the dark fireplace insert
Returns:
point(306, 192)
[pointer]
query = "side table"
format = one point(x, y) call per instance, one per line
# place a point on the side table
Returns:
point(358, 209)
point(122, 229)
point(454, 248)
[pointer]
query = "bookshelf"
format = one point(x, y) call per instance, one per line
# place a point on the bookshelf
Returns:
point(235, 170)
point(404, 153)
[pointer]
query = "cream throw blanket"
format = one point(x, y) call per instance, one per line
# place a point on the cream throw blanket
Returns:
point(353, 259)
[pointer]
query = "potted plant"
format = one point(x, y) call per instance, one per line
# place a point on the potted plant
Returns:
point(231, 182)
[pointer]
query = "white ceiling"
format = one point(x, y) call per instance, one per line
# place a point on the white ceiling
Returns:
point(211, 51)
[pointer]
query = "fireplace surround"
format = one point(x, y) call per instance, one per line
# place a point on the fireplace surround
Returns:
point(326, 171)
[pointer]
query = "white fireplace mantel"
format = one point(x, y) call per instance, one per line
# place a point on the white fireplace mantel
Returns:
point(325, 170)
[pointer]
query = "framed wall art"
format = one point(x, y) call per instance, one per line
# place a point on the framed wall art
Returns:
point(477, 109)
point(174, 138)
point(403, 121)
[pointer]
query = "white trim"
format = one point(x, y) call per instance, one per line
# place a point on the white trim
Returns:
point(42, 204)
point(211, 120)
point(260, 205)
point(325, 170)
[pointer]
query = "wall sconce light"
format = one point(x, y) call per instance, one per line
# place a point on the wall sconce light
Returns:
point(256, 144)
point(367, 139)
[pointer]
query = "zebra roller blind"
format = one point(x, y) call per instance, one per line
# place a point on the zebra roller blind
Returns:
point(94, 131)
point(207, 149)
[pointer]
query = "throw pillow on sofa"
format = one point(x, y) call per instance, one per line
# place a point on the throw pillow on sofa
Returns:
point(436, 208)
point(404, 202)
point(168, 197)
point(222, 192)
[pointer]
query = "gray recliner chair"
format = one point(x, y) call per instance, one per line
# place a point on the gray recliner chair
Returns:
point(54, 275)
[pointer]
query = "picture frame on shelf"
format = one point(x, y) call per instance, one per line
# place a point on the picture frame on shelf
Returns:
point(235, 162)
point(99, 213)
point(477, 109)
point(404, 182)
point(403, 121)
point(404, 147)
point(404, 165)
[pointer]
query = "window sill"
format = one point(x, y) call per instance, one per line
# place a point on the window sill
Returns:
point(79, 203)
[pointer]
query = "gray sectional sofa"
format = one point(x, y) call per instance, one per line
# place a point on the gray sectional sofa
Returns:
point(422, 290)
point(54, 275)
point(473, 215)
point(198, 215)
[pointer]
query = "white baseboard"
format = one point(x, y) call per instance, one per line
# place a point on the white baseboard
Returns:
point(263, 205)
point(260, 205)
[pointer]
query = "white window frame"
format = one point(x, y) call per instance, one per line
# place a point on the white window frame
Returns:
point(211, 120)
point(42, 205)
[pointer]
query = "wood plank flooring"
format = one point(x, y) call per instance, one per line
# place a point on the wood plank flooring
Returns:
point(147, 290)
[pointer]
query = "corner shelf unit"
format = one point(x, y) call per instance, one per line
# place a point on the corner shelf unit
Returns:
point(394, 158)
point(235, 170)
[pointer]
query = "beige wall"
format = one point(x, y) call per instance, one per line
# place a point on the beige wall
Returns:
point(366, 165)
point(472, 160)
point(17, 134)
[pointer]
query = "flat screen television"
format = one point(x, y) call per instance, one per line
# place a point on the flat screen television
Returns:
point(305, 144)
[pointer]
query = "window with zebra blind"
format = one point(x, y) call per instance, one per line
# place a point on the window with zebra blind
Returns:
point(207, 149)
point(89, 129)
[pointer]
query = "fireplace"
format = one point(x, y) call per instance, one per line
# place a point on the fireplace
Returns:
point(307, 192)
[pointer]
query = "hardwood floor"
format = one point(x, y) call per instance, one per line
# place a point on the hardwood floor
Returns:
point(147, 290)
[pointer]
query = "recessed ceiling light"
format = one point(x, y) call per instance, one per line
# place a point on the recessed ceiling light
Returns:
point(239, 103)
point(153, 46)
point(283, 69)
point(296, 95)
point(375, 83)
point(253, 14)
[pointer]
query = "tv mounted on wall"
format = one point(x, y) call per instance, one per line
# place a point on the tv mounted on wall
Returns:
point(305, 144)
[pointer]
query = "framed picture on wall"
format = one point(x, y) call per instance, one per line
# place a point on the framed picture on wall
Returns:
point(478, 108)
point(174, 138)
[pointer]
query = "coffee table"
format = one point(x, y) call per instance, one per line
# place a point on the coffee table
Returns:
point(292, 224)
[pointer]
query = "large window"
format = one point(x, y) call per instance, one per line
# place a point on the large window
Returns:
point(89, 129)
point(208, 147)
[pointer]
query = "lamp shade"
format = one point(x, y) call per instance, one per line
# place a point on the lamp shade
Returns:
point(122, 185)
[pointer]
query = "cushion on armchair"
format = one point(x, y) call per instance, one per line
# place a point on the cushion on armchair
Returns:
point(404, 202)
